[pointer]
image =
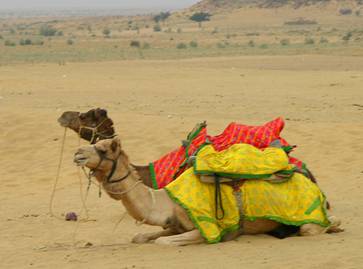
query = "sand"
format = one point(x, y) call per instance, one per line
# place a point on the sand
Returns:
point(154, 105)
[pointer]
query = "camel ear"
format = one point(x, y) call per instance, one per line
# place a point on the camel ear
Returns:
point(115, 144)
point(103, 112)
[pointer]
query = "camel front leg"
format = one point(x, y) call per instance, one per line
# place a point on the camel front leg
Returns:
point(187, 238)
point(144, 238)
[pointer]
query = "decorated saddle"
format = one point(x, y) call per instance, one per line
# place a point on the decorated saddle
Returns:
point(294, 201)
point(173, 164)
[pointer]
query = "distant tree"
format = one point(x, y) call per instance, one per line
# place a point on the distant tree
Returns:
point(46, 30)
point(200, 17)
point(162, 16)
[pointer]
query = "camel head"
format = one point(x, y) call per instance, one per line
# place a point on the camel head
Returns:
point(103, 157)
point(92, 125)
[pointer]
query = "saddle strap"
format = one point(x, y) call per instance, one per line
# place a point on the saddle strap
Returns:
point(238, 196)
point(218, 199)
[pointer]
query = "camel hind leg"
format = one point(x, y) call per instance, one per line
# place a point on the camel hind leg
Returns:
point(187, 238)
point(315, 229)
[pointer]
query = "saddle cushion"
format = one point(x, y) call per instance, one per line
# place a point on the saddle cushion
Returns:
point(242, 161)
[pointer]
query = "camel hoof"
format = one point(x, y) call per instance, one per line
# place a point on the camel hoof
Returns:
point(140, 239)
point(334, 227)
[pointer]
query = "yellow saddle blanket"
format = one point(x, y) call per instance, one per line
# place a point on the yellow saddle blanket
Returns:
point(294, 202)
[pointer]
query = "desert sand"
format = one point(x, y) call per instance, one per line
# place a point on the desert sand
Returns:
point(154, 105)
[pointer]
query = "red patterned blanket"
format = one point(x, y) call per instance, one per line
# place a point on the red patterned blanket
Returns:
point(167, 168)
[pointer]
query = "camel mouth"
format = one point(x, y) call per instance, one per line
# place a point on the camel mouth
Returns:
point(62, 122)
point(80, 160)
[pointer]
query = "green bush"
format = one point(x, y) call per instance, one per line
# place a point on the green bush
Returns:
point(106, 32)
point(181, 46)
point(309, 41)
point(46, 30)
point(347, 36)
point(193, 44)
point(179, 30)
point(157, 28)
point(251, 43)
point(70, 42)
point(221, 45)
point(25, 42)
point(263, 46)
point(135, 44)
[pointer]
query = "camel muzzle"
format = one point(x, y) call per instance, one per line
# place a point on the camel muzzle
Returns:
point(80, 159)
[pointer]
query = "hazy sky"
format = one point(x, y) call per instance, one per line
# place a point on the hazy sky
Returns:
point(95, 3)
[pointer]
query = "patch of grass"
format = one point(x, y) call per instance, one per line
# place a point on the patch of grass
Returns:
point(9, 43)
point(181, 46)
point(301, 21)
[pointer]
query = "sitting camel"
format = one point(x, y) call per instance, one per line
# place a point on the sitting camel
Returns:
point(111, 167)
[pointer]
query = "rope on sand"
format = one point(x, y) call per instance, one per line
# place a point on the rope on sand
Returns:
point(57, 176)
point(83, 197)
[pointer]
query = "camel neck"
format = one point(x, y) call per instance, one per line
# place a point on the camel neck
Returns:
point(138, 199)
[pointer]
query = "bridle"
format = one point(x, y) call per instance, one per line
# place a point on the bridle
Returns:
point(95, 133)
point(103, 158)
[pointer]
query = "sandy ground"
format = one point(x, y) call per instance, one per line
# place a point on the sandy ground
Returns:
point(154, 105)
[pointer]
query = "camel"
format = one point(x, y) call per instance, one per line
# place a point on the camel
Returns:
point(112, 169)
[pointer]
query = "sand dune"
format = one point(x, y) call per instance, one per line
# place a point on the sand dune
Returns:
point(154, 105)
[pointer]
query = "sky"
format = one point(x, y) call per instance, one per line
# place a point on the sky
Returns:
point(4, 4)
